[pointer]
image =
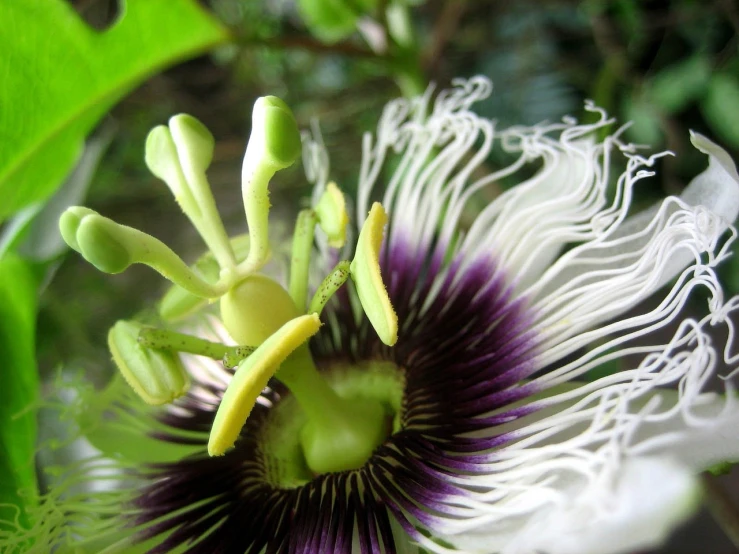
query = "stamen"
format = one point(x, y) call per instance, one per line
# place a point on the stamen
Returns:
point(330, 214)
point(365, 272)
point(157, 376)
point(252, 376)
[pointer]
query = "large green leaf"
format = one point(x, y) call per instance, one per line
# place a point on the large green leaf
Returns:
point(19, 388)
point(59, 76)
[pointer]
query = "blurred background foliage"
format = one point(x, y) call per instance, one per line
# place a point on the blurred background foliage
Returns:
point(666, 65)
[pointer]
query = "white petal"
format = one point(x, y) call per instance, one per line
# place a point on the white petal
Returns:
point(601, 279)
point(635, 506)
point(717, 188)
point(562, 461)
point(709, 436)
point(637, 509)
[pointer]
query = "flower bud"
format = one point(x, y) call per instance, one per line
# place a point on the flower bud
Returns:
point(332, 216)
point(194, 143)
point(274, 125)
point(69, 222)
point(157, 376)
point(99, 244)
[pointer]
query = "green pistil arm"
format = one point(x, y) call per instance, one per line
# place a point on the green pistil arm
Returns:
point(328, 287)
point(300, 260)
point(274, 144)
point(179, 155)
point(252, 376)
point(112, 247)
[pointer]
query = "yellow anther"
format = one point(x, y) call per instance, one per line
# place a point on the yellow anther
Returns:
point(252, 376)
point(365, 272)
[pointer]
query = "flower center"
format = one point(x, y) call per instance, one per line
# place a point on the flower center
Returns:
point(270, 324)
point(282, 436)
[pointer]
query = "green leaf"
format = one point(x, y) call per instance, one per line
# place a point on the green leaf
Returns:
point(60, 77)
point(646, 127)
point(35, 229)
point(673, 88)
point(19, 389)
point(721, 107)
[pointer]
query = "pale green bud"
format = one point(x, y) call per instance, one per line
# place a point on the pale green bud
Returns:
point(194, 143)
point(161, 153)
point(273, 123)
point(157, 376)
point(99, 243)
point(112, 247)
point(332, 215)
point(69, 222)
point(163, 161)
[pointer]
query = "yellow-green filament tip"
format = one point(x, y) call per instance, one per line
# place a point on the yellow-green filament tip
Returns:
point(69, 223)
point(332, 215)
point(157, 376)
point(193, 141)
point(275, 121)
point(365, 272)
point(252, 376)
